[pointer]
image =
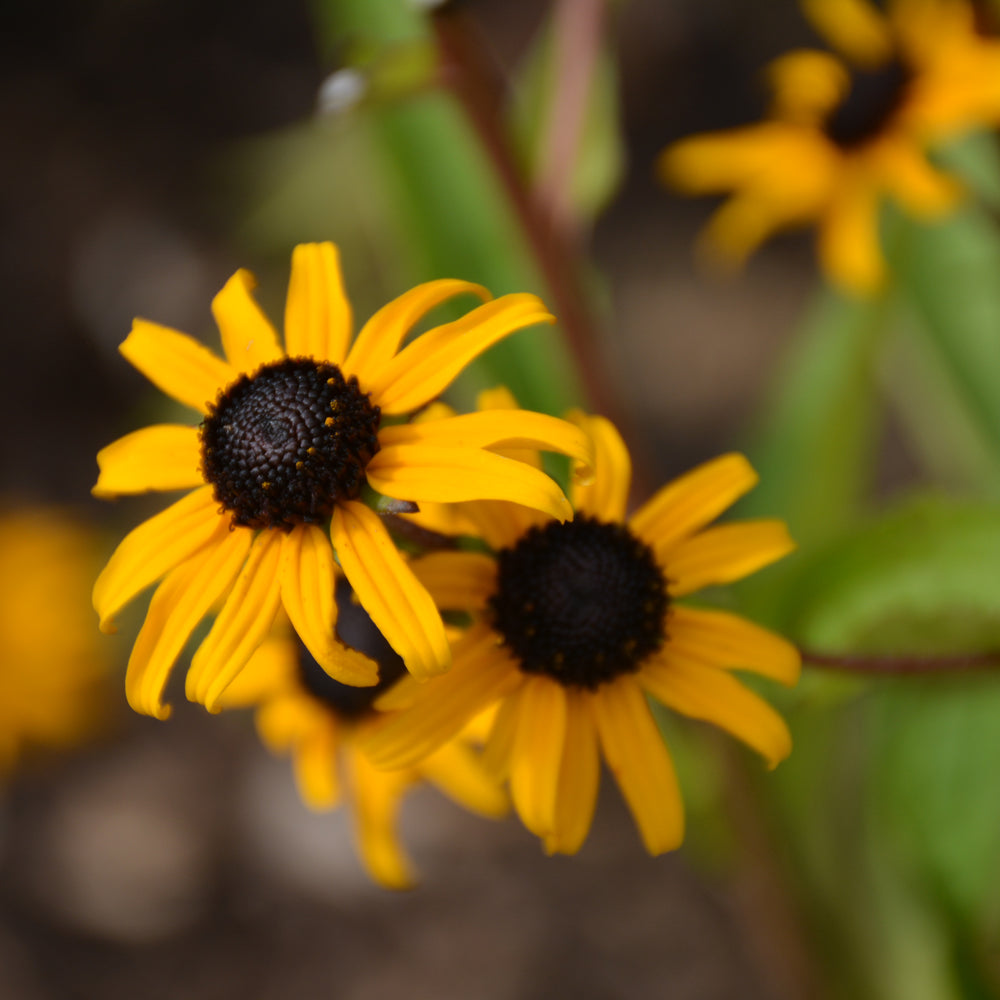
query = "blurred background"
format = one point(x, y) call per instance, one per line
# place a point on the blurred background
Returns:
point(153, 147)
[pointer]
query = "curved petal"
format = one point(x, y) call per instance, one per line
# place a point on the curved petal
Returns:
point(307, 580)
point(457, 581)
point(692, 500)
point(723, 554)
point(381, 336)
point(425, 368)
point(248, 338)
point(460, 774)
point(161, 457)
point(606, 496)
point(721, 639)
point(377, 798)
point(496, 429)
point(271, 673)
point(855, 27)
point(500, 742)
point(849, 246)
point(186, 595)
point(154, 548)
point(318, 319)
point(242, 625)
point(314, 761)
point(578, 778)
point(177, 364)
point(537, 754)
point(914, 182)
point(640, 762)
point(482, 673)
point(451, 475)
point(715, 696)
point(394, 598)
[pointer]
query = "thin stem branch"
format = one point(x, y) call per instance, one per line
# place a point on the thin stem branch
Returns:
point(901, 665)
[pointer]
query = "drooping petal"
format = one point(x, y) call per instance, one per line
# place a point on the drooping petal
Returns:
point(451, 475)
point(318, 321)
point(248, 338)
point(855, 27)
point(716, 696)
point(162, 457)
point(721, 639)
point(381, 336)
point(724, 554)
point(482, 673)
point(500, 742)
point(460, 774)
point(377, 798)
point(394, 598)
point(152, 549)
point(186, 595)
point(848, 237)
point(242, 625)
point(640, 762)
point(606, 496)
point(307, 594)
point(578, 778)
point(425, 368)
point(177, 364)
point(692, 500)
point(315, 761)
point(537, 754)
point(457, 581)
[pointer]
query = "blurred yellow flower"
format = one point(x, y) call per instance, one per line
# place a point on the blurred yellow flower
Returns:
point(289, 438)
point(575, 622)
point(845, 132)
point(54, 672)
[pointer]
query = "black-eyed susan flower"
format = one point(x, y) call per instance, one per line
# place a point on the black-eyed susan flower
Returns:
point(843, 133)
point(303, 712)
point(290, 436)
point(55, 686)
point(576, 622)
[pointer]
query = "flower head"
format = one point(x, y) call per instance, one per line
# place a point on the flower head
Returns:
point(576, 622)
point(303, 712)
point(290, 438)
point(846, 131)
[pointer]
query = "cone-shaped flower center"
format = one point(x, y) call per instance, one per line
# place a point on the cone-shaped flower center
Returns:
point(283, 445)
point(875, 96)
point(581, 601)
point(358, 631)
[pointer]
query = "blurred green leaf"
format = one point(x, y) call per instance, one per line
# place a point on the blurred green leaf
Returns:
point(976, 159)
point(922, 579)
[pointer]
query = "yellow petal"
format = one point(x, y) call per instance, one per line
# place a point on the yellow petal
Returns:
point(849, 248)
point(855, 27)
point(177, 364)
point(723, 554)
point(152, 549)
point(288, 720)
point(242, 625)
point(162, 457)
point(457, 581)
point(314, 761)
point(377, 798)
point(807, 85)
point(459, 773)
point(272, 672)
point(185, 596)
point(381, 336)
point(692, 500)
point(640, 762)
point(451, 475)
point(578, 778)
point(425, 368)
point(715, 696)
point(482, 674)
point(248, 338)
point(606, 496)
point(919, 187)
point(318, 319)
point(537, 754)
point(500, 742)
point(307, 582)
point(721, 639)
point(394, 598)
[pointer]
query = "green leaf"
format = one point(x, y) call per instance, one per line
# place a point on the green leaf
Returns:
point(976, 159)
point(922, 579)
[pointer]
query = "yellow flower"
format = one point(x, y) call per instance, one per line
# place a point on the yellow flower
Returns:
point(289, 437)
point(54, 689)
point(576, 622)
point(303, 712)
point(844, 133)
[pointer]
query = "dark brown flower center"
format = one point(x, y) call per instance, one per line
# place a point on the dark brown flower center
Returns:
point(283, 445)
point(357, 630)
point(874, 98)
point(581, 601)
